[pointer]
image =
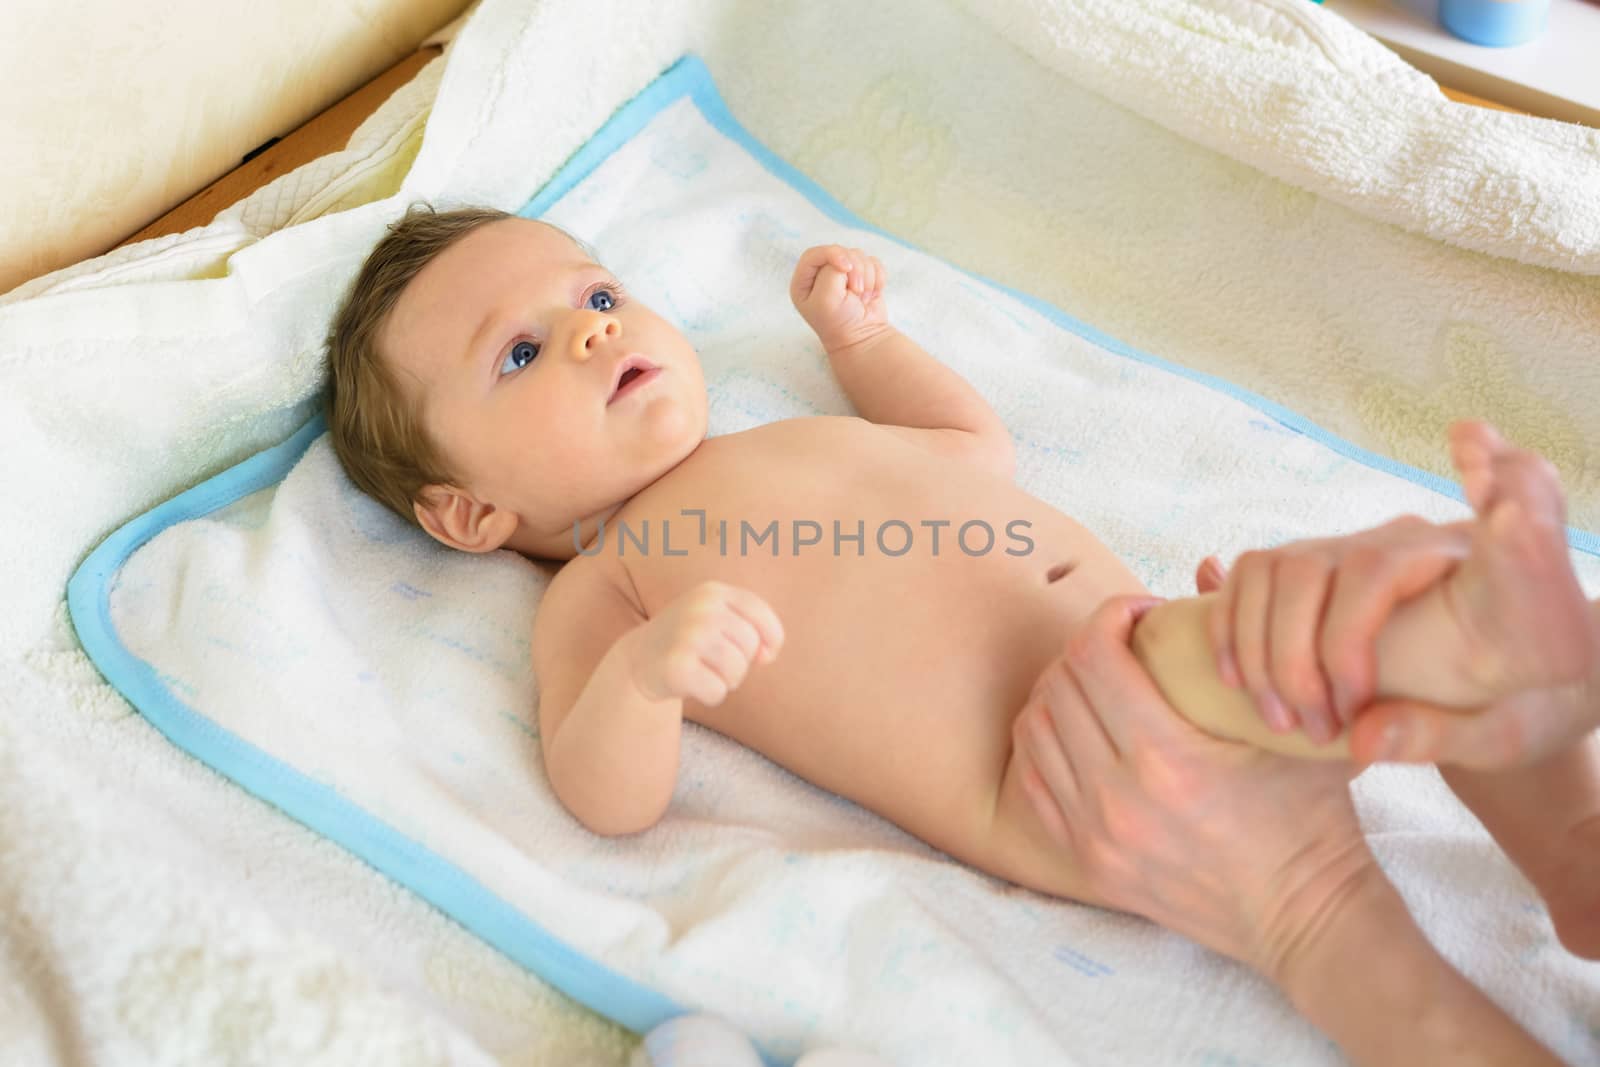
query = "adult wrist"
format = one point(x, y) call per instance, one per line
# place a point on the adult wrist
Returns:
point(1370, 980)
point(1319, 910)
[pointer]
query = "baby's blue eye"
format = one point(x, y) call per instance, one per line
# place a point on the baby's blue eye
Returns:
point(602, 300)
point(522, 353)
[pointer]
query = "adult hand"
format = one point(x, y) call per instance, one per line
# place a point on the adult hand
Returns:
point(1370, 574)
point(1247, 853)
point(1530, 726)
point(1297, 625)
point(1323, 602)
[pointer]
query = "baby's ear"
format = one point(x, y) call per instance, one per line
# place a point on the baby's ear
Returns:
point(456, 518)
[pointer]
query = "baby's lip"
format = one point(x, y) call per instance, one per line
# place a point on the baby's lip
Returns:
point(633, 361)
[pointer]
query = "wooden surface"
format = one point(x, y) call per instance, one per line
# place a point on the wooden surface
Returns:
point(328, 132)
point(1468, 98)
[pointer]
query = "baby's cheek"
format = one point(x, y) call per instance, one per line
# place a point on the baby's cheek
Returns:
point(676, 422)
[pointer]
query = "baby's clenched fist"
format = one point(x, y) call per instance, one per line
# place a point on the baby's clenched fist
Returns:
point(703, 644)
point(839, 292)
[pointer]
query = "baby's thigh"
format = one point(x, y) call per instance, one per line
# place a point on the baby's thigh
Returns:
point(1022, 849)
point(1172, 642)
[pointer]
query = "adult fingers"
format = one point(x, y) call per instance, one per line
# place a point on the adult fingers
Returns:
point(1300, 585)
point(1253, 582)
point(1120, 695)
point(1047, 774)
point(1074, 721)
point(1404, 731)
point(1219, 623)
point(1209, 577)
point(1371, 581)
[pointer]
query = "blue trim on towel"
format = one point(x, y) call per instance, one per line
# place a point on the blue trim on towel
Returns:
point(322, 808)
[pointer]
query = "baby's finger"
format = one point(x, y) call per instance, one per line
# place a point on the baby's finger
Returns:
point(812, 260)
point(760, 615)
point(724, 662)
point(743, 634)
point(831, 284)
point(706, 686)
point(858, 270)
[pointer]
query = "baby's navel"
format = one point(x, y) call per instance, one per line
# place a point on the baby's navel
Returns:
point(1058, 572)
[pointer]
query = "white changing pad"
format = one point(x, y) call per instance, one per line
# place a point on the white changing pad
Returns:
point(300, 639)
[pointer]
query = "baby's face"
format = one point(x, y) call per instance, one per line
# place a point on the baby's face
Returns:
point(520, 342)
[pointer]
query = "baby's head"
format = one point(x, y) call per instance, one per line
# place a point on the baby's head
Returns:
point(473, 376)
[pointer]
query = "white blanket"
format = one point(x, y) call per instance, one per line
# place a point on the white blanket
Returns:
point(153, 906)
point(382, 682)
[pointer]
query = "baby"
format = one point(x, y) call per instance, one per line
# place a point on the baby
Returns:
point(868, 601)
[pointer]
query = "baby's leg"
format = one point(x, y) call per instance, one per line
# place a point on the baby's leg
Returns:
point(1511, 618)
point(1547, 815)
point(1508, 619)
point(1174, 644)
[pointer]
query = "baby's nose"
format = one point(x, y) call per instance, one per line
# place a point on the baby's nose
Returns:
point(609, 329)
point(594, 328)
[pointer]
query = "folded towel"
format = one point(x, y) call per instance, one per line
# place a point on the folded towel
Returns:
point(334, 660)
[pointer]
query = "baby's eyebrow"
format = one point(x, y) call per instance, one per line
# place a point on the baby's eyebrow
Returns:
point(493, 318)
point(470, 354)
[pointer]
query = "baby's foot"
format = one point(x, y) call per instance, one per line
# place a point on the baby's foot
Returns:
point(1523, 620)
point(1529, 636)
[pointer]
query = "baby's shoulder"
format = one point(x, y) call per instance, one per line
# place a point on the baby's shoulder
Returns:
point(585, 584)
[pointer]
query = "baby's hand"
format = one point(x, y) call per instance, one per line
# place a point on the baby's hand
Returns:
point(1297, 625)
point(839, 292)
point(702, 645)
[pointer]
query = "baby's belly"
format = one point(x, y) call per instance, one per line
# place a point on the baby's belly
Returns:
point(900, 677)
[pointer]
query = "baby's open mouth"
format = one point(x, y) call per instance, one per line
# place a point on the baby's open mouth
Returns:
point(632, 371)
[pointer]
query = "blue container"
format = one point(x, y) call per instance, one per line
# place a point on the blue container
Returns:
point(1498, 23)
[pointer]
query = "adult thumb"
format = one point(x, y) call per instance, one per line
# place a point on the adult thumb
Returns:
point(1408, 731)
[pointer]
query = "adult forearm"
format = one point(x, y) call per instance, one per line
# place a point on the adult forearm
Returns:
point(1370, 980)
point(614, 759)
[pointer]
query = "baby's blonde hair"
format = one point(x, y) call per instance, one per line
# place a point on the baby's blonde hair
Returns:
point(375, 424)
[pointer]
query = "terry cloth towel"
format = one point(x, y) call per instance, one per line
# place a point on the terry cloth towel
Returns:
point(306, 643)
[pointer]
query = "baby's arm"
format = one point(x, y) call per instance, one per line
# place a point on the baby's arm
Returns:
point(612, 686)
point(888, 377)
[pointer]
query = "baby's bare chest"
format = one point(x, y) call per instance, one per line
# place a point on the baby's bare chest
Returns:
point(919, 597)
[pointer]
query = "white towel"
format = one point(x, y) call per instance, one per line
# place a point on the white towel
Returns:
point(383, 682)
point(152, 904)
